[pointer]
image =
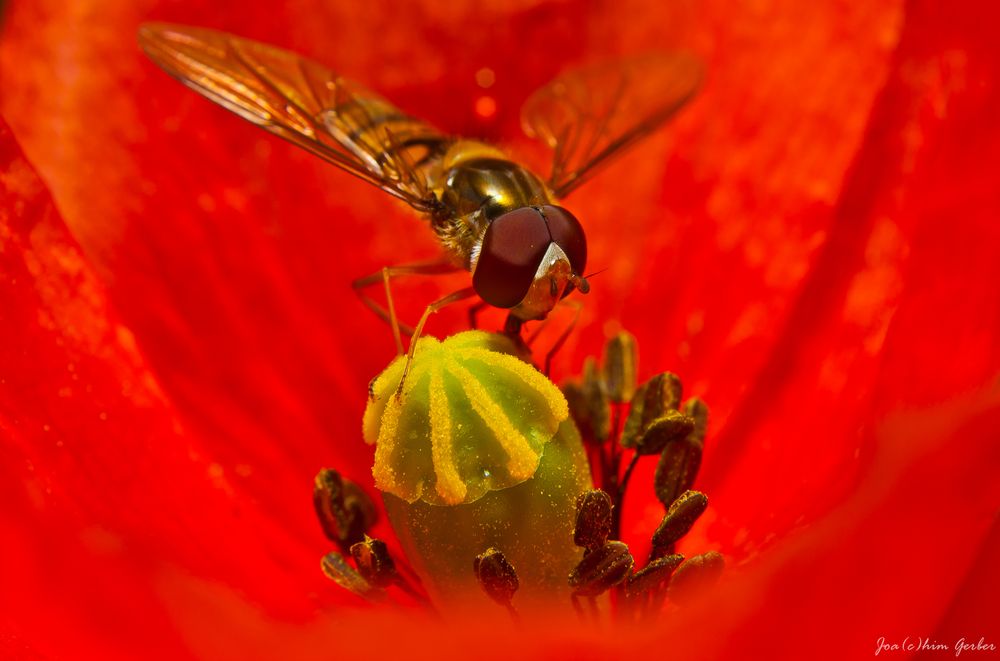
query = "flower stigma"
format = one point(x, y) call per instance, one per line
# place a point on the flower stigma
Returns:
point(504, 490)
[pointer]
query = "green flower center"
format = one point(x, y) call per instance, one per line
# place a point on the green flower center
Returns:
point(488, 484)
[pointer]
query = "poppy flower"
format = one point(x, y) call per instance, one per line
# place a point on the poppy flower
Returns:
point(812, 246)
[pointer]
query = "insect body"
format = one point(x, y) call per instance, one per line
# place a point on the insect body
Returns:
point(524, 252)
point(493, 216)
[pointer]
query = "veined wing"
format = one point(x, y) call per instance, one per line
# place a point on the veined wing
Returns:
point(305, 103)
point(588, 115)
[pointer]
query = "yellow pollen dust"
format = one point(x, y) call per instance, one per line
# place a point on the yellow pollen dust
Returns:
point(529, 375)
point(386, 480)
point(449, 482)
point(471, 418)
point(522, 460)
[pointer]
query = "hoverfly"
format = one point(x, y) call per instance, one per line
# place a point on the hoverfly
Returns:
point(492, 216)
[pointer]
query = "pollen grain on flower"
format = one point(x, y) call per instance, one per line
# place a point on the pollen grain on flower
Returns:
point(471, 418)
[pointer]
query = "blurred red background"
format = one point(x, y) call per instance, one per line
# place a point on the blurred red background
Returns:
point(812, 246)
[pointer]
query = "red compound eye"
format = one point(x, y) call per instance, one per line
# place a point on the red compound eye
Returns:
point(513, 247)
point(567, 233)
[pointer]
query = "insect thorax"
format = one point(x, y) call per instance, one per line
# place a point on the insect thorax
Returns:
point(479, 184)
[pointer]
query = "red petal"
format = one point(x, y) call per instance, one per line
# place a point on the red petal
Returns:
point(902, 356)
point(899, 312)
point(114, 515)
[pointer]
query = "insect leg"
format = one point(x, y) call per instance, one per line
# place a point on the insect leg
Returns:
point(474, 311)
point(445, 301)
point(538, 330)
point(577, 307)
point(392, 311)
point(384, 275)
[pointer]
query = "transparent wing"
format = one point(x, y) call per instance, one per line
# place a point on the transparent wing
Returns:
point(588, 115)
point(305, 103)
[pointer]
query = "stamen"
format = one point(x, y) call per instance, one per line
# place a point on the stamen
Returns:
point(593, 519)
point(677, 468)
point(598, 405)
point(694, 576)
point(698, 411)
point(653, 576)
point(497, 578)
point(340, 572)
point(344, 511)
point(657, 423)
point(374, 562)
point(621, 360)
point(678, 521)
point(674, 426)
point(601, 569)
point(653, 399)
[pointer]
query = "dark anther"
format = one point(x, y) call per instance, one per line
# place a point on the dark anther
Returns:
point(588, 404)
point(343, 574)
point(674, 426)
point(598, 407)
point(374, 562)
point(496, 576)
point(697, 410)
point(653, 576)
point(345, 512)
point(658, 421)
point(593, 519)
point(677, 468)
point(621, 364)
point(578, 407)
point(678, 521)
point(654, 399)
point(601, 569)
point(694, 576)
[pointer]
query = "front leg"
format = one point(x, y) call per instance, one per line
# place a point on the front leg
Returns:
point(384, 275)
point(454, 297)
